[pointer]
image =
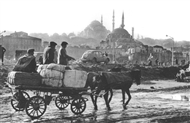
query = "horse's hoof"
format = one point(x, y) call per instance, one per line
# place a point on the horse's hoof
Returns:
point(109, 109)
point(124, 107)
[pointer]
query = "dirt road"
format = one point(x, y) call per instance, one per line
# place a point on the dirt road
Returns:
point(149, 103)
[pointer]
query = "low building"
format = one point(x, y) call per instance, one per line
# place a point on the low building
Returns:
point(20, 41)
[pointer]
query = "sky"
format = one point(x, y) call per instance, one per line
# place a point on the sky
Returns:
point(150, 18)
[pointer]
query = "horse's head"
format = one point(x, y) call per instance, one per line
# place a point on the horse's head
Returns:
point(136, 76)
point(90, 82)
point(100, 80)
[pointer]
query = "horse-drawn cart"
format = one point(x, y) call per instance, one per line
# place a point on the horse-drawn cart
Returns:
point(36, 105)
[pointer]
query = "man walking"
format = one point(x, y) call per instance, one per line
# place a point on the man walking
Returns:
point(2, 52)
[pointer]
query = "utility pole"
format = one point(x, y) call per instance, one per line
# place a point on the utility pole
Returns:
point(172, 49)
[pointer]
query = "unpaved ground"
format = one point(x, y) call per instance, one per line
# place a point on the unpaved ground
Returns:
point(151, 102)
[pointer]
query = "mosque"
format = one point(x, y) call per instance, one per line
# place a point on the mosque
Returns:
point(120, 44)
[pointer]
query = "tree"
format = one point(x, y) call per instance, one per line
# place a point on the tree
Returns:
point(72, 34)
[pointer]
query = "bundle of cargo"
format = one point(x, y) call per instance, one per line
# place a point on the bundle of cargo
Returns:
point(52, 74)
point(56, 75)
point(75, 78)
point(24, 78)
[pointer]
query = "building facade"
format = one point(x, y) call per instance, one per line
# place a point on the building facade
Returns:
point(20, 41)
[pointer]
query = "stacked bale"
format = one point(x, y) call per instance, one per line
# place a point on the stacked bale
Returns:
point(52, 74)
point(75, 78)
point(55, 75)
point(24, 78)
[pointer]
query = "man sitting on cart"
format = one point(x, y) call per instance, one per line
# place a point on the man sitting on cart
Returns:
point(63, 58)
point(50, 53)
point(26, 63)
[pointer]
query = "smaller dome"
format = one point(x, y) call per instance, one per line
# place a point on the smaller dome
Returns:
point(121, 31)
point(95, 23)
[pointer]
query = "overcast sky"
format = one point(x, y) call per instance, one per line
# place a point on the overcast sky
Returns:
point(150, 18)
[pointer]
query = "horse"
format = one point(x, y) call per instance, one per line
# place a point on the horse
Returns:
point(90, 82)
point(104, 84)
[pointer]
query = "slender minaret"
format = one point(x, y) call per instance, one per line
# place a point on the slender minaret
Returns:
point(132, 32)
point(101, 19)
point(113, 24)
point(122, 23)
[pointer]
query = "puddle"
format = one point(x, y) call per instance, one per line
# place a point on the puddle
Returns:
point(181, 96)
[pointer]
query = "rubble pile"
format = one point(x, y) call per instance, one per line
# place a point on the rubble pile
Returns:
point(147, 72)
point(169, 72)
point(88, 67)
point(4, 70)
point(155, 73)
point(150, 73)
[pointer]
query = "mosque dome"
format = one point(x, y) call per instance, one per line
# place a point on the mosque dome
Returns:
point(120, 32)
point(95, 23)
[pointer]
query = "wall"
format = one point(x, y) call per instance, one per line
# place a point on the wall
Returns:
point(12, 44)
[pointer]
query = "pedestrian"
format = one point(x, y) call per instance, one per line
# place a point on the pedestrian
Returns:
point(49, 53)
point(150, 62)
point(2, 52)
point(156, 61)
point(176, 61)
point(26, 63)
point(63, 58)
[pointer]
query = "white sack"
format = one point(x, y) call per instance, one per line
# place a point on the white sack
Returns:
point(57, 67)
point(75, 78)
point(47, 73)
point(41, 67)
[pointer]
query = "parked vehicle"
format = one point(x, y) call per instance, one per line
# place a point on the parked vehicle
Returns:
point(95, 56)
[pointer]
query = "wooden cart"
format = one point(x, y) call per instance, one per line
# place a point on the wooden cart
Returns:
point(35, 106)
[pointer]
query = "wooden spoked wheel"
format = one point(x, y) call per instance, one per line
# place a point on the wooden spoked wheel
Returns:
point(78, 105)
point(19, 100)
point(62, 101)
point(36, 107)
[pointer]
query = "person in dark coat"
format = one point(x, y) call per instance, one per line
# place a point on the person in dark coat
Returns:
point(49, 54)
point(26, 63)
point(63, 58)
point(2, 52)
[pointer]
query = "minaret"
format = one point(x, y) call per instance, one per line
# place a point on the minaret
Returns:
point(101, 19)
point(122, 24)
point(133, 32)
point(113, 21)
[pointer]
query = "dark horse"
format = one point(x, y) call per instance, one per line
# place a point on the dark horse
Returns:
point(104, 84)
point(92, 84)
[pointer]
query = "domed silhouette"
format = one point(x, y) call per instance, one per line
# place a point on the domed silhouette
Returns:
point(121, 33)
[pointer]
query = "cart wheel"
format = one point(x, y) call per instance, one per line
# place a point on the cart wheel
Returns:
point(78, 105)
point(36, 107)
point(62, 101)
point(17, 103)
